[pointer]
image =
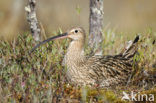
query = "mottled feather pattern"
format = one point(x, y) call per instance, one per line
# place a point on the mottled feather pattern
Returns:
point(113, 67)
point(105, 71)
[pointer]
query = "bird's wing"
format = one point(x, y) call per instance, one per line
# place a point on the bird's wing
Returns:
point(131, 49)
point(108, 68)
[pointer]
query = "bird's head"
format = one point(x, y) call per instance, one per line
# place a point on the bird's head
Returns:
point(75, 34)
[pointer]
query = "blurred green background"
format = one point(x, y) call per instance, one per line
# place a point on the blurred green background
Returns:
point(123, 15)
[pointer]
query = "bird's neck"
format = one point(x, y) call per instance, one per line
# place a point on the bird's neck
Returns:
point(75, 54)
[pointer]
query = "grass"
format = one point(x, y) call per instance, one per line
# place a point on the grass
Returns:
point(40, 77)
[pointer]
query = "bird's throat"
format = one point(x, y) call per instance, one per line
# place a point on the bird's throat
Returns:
point(75, 54)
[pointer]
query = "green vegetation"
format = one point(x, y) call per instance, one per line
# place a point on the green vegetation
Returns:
point(40, 77)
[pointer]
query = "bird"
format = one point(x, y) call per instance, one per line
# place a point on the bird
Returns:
point(95, 70)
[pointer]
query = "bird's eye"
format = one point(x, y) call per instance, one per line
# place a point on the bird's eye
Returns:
point(76, 31)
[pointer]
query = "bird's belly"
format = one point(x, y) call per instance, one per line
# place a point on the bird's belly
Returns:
point(79, 77)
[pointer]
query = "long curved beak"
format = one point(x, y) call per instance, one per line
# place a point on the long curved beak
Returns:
point(61, 36)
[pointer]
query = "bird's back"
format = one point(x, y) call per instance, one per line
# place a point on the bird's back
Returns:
point(113, 70)
point(109, 70)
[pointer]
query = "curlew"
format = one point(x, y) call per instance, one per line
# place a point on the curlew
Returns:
point(104, 71)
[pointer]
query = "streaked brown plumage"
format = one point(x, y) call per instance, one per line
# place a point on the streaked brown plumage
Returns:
point(105, 71)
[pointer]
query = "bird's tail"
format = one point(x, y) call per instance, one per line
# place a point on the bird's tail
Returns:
point(131, 49)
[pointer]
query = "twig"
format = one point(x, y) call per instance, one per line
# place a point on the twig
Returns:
point(43, 31)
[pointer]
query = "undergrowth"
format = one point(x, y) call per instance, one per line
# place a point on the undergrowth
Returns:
point(40, 77)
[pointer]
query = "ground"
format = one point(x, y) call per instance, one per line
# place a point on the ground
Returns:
point(40, 77)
